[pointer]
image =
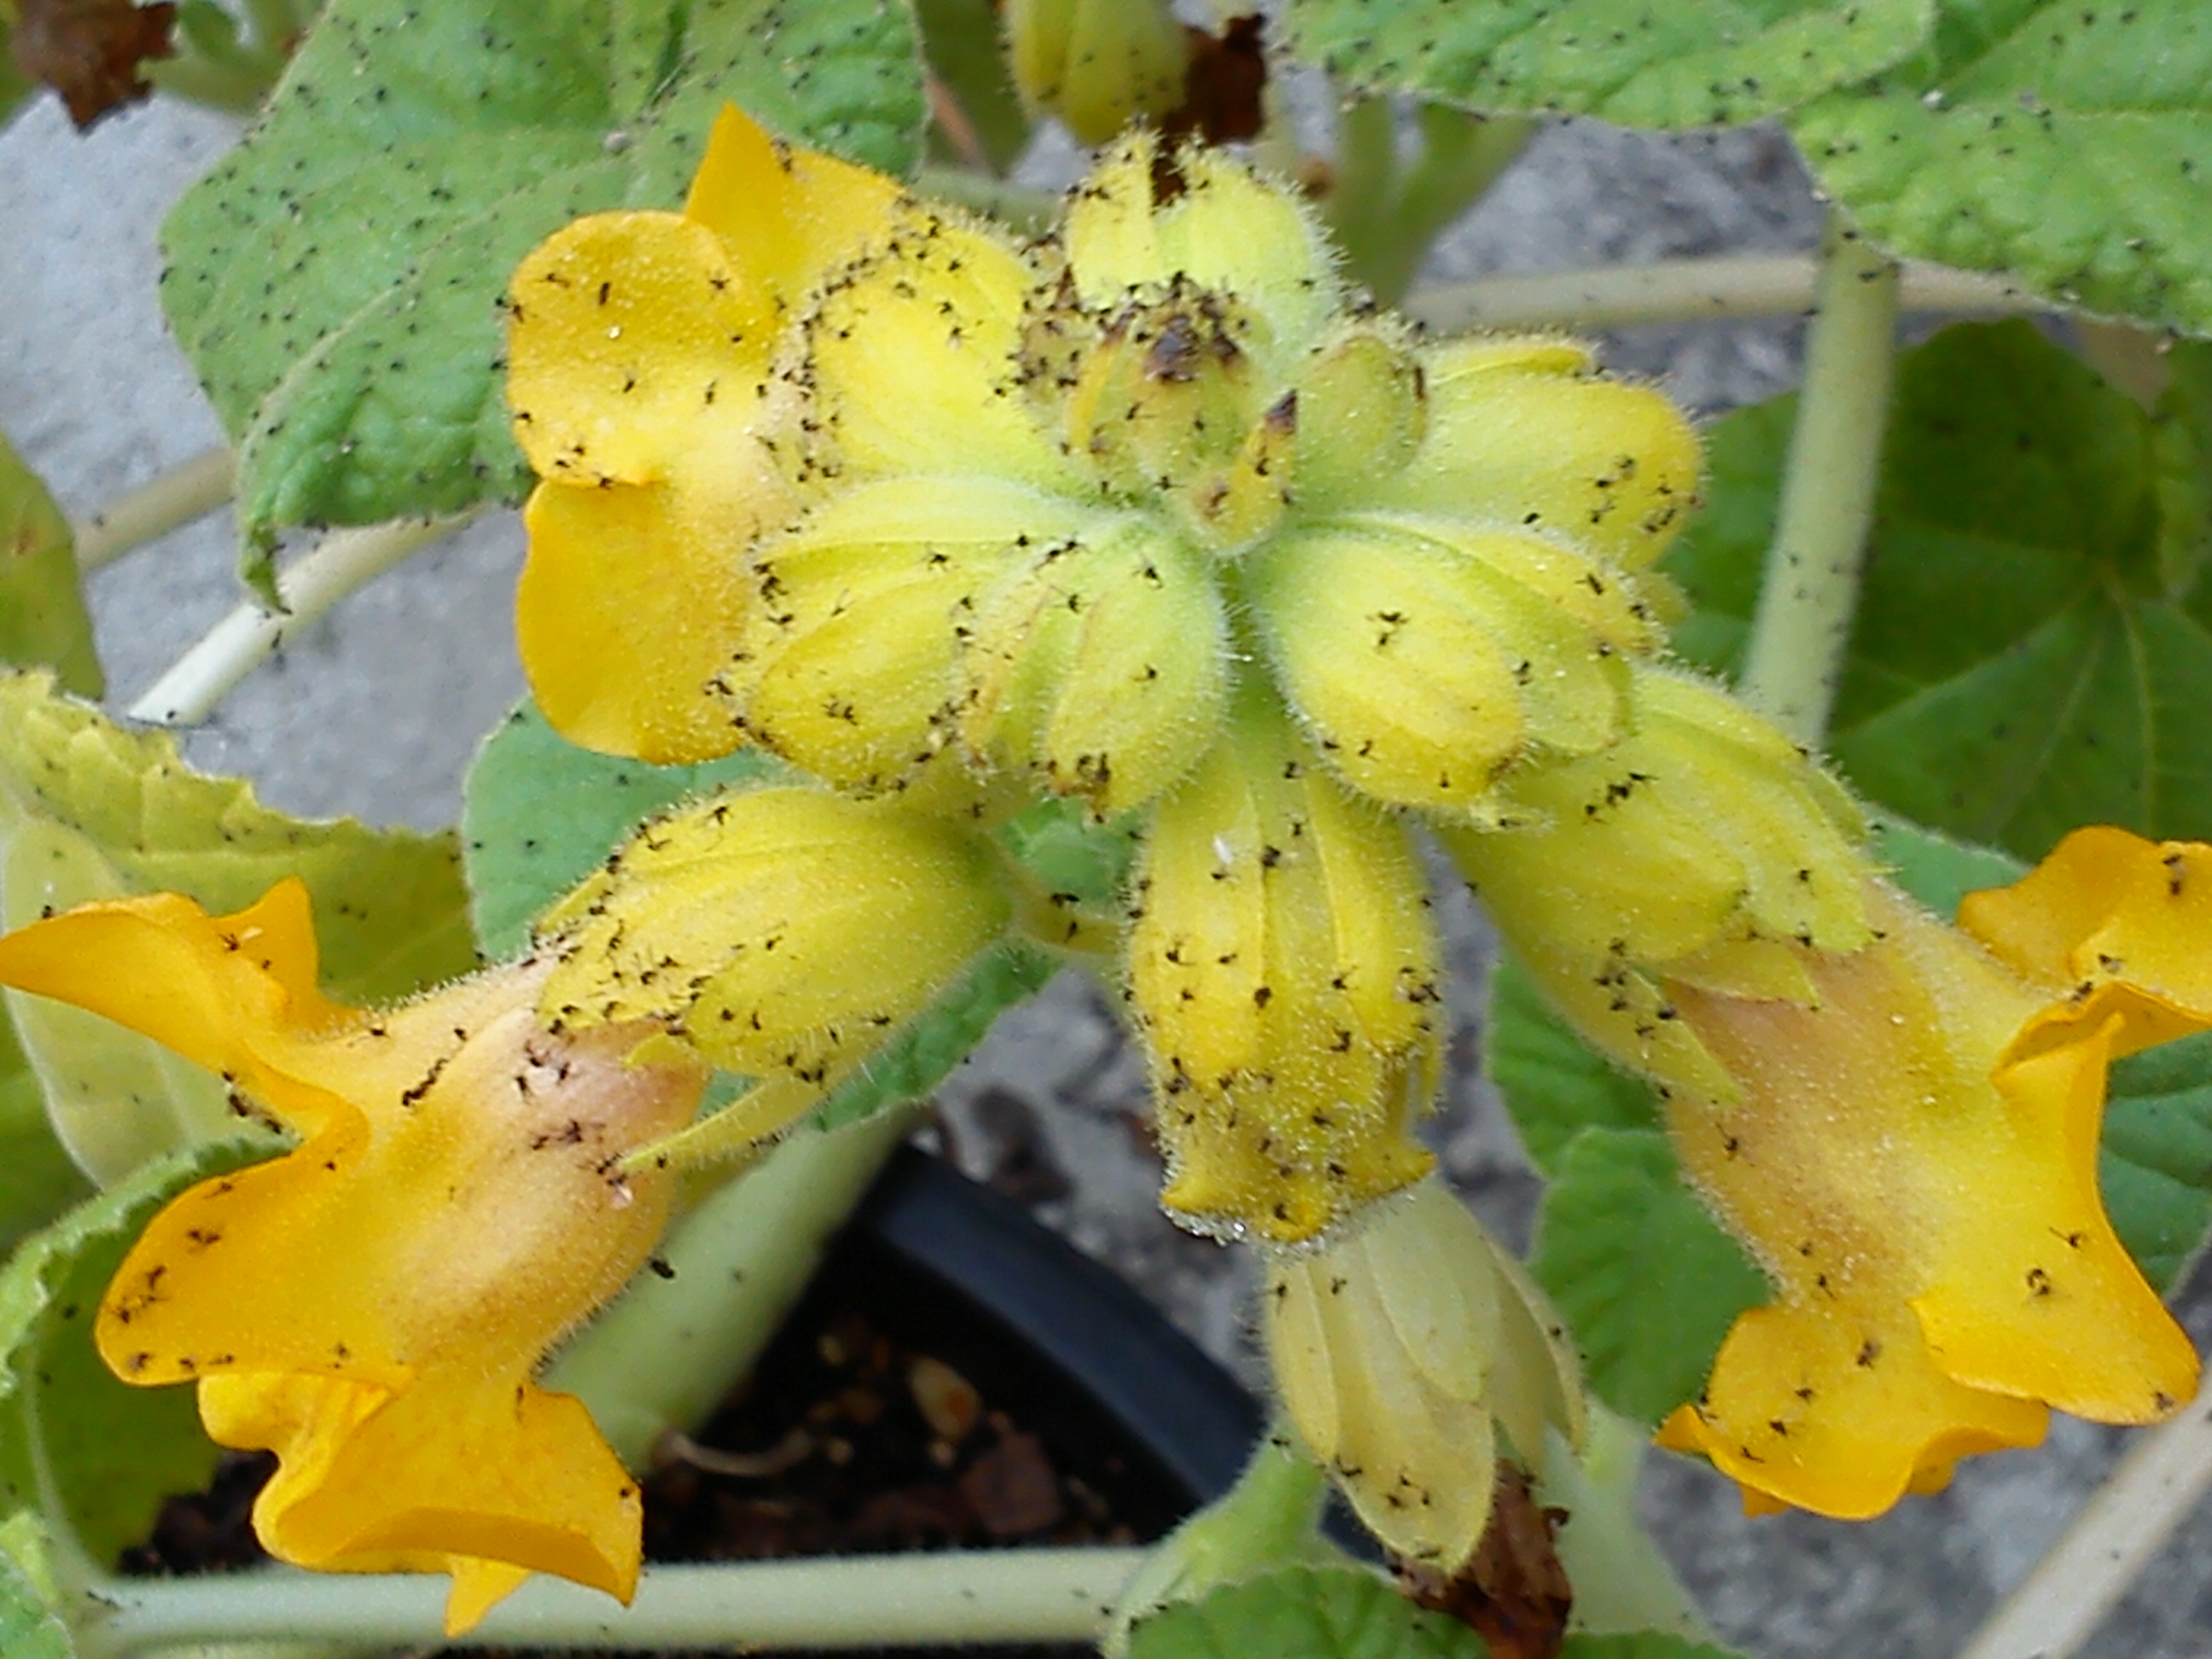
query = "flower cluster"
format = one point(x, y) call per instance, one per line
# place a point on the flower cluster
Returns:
point(1148, 515)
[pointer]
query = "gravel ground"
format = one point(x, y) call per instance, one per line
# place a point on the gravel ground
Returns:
point(376, 710)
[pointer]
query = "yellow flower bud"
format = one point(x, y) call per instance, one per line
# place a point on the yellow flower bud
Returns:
point(1400, 1351)
point(1097, 65)
point(782, 933)
point(1283, 974)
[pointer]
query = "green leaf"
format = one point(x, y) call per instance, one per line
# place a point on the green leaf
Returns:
point(2183, 424)
point(1641, 1645)
point(93, 1455)
point(89, 811)
point(390, 907)
point(2154, 1165)
point(1639, 63)
point(335, 279)
point(2018, 667)
point(38, 1181)
point(1304, 1613)
point(1554, 1085)
point(1646, 1278)
point(43, 621)
point(538, 815)
point(28, 1626)
point(922, 1053)
point(1938, 871)
point(2068, 146)
point(1070, 855)
point(960, 39)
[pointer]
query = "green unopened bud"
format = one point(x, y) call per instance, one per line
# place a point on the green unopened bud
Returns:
point(1283, 974)
point(1400, 1352)
point(1097, 65)
point(1104, 667)
point(1434, 657)
point(782, 933)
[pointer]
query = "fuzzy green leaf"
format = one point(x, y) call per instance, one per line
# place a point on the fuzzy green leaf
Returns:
point(538, 815)
point(335, 279)
point(30, 1628)
point(1304, 1613)
point(2019, 664)
point(2154, 1165)
point(1647, 1279)
point(1639, 63)
point(922, 1053)
point(2067, 146)
point(1938, 871)
point(43, 621)
point(110, 1452)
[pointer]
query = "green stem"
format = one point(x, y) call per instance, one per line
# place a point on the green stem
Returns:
point(984, 1595)
point(154, 509)
point(1622, 1583)
point(661, 1358)
point(1810, 589)
point(1690, 291)
point(1461, 157)
point(1266, 1519)
point(226, 88)
point(1361, 193)
point(276, 26)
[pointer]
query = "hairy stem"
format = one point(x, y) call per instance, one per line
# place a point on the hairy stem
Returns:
point(156, 507)
point(663, 1357)
point(1810, 589)
point(986, 1595)
point(2059, 1605)
point(249, 636)
point(1688, 291)
point(1029, 211)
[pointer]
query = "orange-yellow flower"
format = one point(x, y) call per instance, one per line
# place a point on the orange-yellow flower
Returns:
point(1900, 1119)
point(371, 1305)
point(639, 379)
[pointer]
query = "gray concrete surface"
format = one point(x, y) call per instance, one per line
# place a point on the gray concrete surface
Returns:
point(376, 710)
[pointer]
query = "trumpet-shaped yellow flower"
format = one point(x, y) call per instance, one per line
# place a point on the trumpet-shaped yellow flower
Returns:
point(639, 378)
point(1898, 1118)
point(1400, 1351)
point(371, 1305)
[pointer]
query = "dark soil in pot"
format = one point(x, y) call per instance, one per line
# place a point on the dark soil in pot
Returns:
point(956, 1377)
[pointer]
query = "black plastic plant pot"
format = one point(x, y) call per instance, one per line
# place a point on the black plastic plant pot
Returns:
point(957, 1375)
point(1067, 1320)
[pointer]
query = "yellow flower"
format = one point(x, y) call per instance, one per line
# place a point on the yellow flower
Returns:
point(1400, 1352)
point(1898, 1118)
point(638, 375)
point(371, 1305)
point(1097, 65)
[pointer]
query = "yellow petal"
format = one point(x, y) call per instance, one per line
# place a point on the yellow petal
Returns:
point(785, 213)
point(634, 340)
point(2108, 906)
point(478, 1468)
point(633, 605)
point(227, 993)
point(1610, 467)
point(788, 932)
point(1837, 1409)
